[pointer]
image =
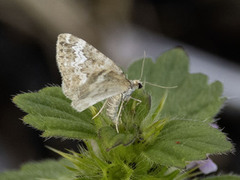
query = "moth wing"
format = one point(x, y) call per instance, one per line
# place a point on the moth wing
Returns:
point(88, 76)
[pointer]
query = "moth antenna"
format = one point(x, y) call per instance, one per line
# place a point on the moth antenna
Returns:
point(156, 85)
point(143, 62)
point(144, 83)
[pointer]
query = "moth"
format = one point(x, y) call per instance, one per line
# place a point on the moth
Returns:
point(88, 77)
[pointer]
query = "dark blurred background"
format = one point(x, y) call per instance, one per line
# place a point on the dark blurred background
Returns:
point(209, 30)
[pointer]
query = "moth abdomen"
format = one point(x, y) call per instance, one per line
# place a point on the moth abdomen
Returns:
point(113, 106)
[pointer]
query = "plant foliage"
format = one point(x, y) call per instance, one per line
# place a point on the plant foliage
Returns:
point(157, 138)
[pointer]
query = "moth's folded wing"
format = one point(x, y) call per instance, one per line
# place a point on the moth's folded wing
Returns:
point(98, 88)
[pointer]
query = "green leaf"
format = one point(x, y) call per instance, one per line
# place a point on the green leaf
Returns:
point(111, 138)
point(193, 98)
point(181, 120)
point(182, 141)
point(50, 111)
point(48, 169)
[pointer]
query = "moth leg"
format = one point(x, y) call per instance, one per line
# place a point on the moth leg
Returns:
point(120, 110)
point(100, 109)
point(117, 119)
point(138, 100)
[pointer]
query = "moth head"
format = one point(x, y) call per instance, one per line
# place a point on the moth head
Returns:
point(136, 84)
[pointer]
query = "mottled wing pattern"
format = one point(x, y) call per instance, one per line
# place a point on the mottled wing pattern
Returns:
point(88, 76)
